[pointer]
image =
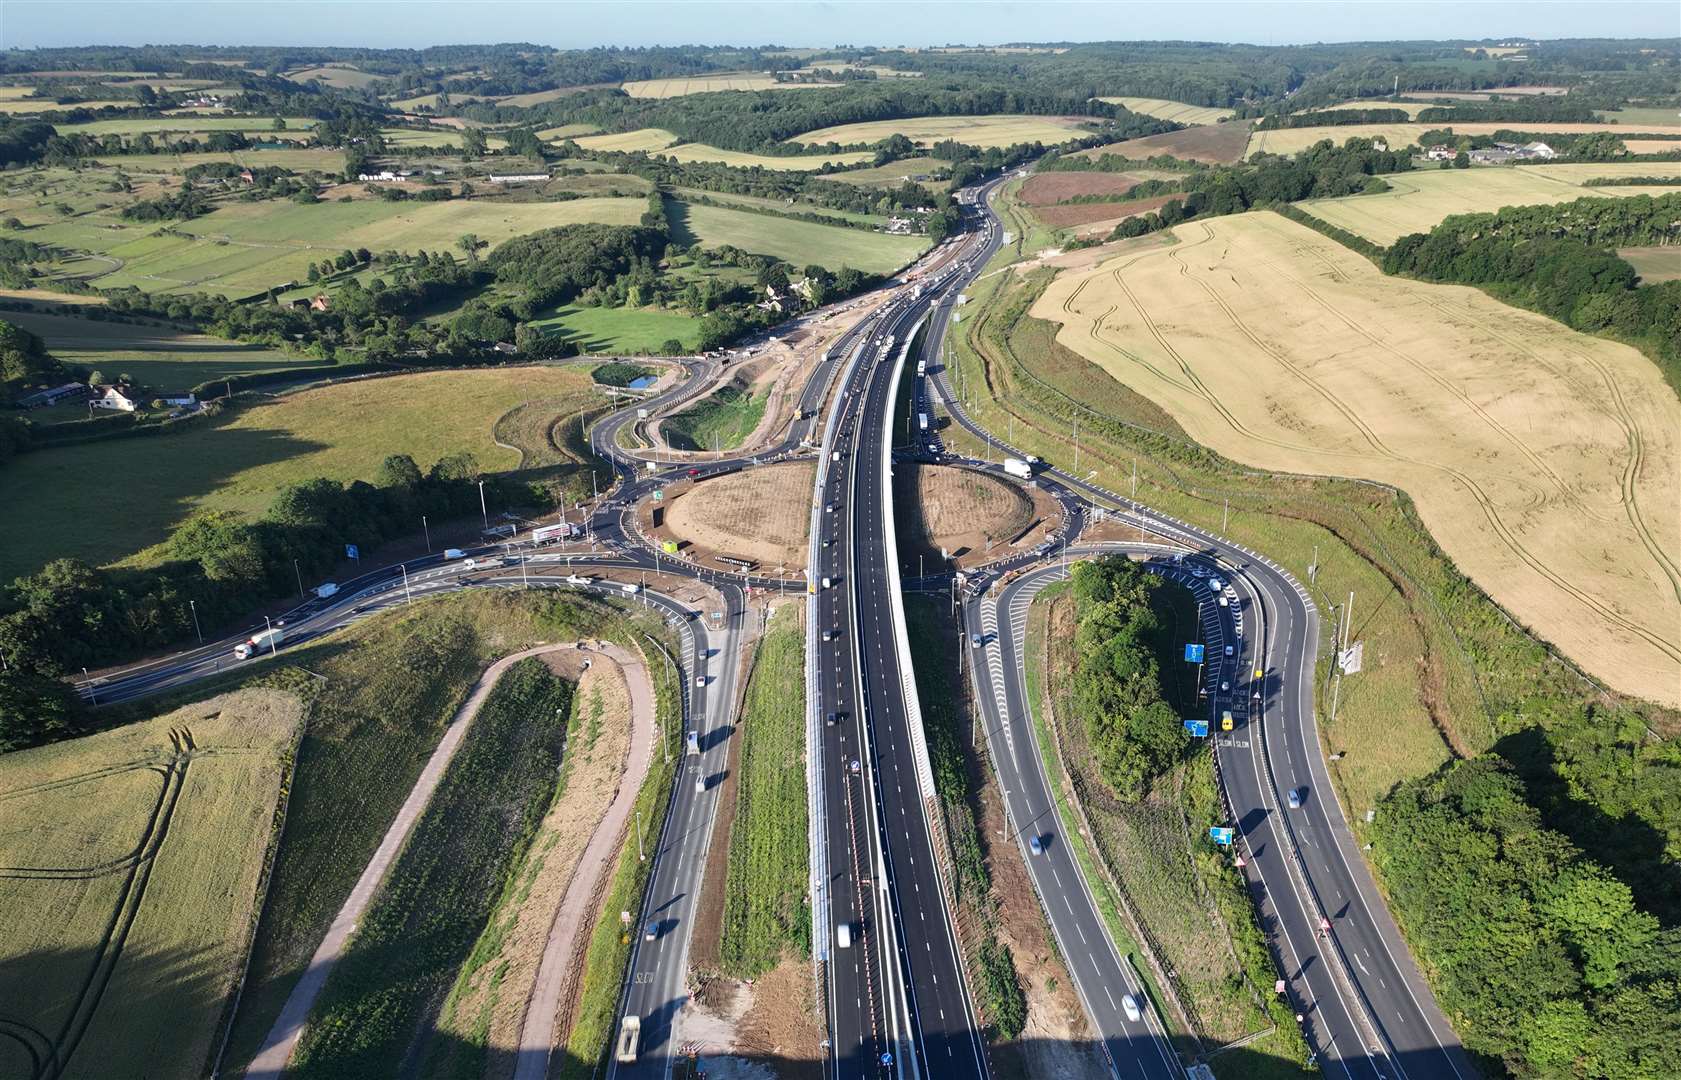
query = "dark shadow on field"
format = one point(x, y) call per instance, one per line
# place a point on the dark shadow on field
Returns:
point(677, 213)
point(54, 1024)
point(100, 501)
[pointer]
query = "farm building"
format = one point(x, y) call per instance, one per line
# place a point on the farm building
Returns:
point(66, 392)
point(117, 399)
point(520, 178)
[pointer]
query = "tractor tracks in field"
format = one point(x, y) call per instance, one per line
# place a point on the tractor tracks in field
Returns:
point(50, 1055)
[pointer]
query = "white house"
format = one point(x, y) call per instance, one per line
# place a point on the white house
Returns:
point(115, 398)
point(1442, 153)
point(1538, 150)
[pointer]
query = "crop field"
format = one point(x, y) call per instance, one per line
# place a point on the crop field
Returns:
point(566, 131)
point(756, 202)
point(1484, 95)
point(144, 848)
point(1281, 349)
point(157, 356)
point(1654, 264)
point(1176, 111)
point(415, 936)
point(1099, 217)
point(982, 131)
point(740, 160)
point(240, 459)
point(21, 106)
point(435, 135)
point(1290, 140)
point(628, 142)
point(799, 242)
point(1212, 144)
point(1046, 188)
point(189, 123)
point(706, 84)
point(1641, 116)
point(1421, 199)
point(764, 906)
point(763, 514)
point(1411, 108)
point(621, 330)
point(335, 75)
point(299, 160)
point(243, 248)
point(895, 173)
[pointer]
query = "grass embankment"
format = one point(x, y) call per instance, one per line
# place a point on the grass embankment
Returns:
point(621, 330)
point(412, 942)
point(720, 422)
point(608, 954)
point(91, 817)
point(947, 723)
point(1155, 849)
point(384, 693)
point(765, 909)
point(799, 242)
point(156, 356)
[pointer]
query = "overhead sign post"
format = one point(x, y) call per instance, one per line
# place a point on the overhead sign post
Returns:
point(1197, 728)
point(1221, 836)
point(1194, 654)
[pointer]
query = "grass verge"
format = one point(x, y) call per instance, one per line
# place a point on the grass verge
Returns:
point(720, 422)
point(765, 910)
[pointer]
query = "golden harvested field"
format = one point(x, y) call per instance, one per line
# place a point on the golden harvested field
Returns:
point(566, 131)
point(1411, 108)
point(1290, 140)
point(741, 160)
point(706, 84)
point(1546, 463)
point(335, 75)
point(1484, 95)
point(649, 139)
point(1176, 111)
point(1212, 144)
point(762, 514)
point(17, 106)
point(1420, 200)
point(131, 865)
point(980, 131)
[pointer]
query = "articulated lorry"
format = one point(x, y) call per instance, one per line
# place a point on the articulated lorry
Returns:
point(256, 643)
point(1018, 467)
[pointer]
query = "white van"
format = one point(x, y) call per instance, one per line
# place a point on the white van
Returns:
point(454, 553)
point(843, 935)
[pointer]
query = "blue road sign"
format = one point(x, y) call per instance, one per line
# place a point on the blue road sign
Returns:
point(1198, 728)
point(351, 552)
point(1193, 654)
point(1220, 836)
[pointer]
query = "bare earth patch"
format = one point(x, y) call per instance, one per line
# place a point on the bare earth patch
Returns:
point(762, 514)
point(1547, 463)
point(1063, 217)
point(1047, 188)
point(762, 1030)
point(972, 516)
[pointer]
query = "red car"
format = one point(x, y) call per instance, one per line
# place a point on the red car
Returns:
point(694, 472)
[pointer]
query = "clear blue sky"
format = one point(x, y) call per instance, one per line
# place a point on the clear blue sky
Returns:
point(569, 24)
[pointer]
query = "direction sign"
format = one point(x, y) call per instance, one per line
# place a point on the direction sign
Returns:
point(1352, 658)
point(1194, 654)
point(1221, 836)
point(352, 552)
point(1197, 728)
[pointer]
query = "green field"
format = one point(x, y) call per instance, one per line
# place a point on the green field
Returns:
point(1654, 264)
point(897, 172)
point(739, 160)
point(301, 160)
point(433, 906)
point(238, 461)
point(335, 75)
point(437, 135)
point(719, 422)
point(243, 248)
point(626, 142)
point(566, 131)
point(189, 122)
point(167, 820)
point(159, 357)
point(621, 330)
point(800, 243)
point(1641, 116)
point(764, 898)
point(982, 131)
point(781, 206)
point(14, 106)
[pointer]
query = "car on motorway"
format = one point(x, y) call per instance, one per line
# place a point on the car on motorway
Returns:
point(694, 472)
point(700, 680)
point(700, 784)
point(1230, 651)
point(975, 641)
point(651, 931)
point(1294, 798)
point(832, 719)
point(1129, 1005)
point(1035, 845)
point(843, 935)
point(829, 509)
point(830, 635)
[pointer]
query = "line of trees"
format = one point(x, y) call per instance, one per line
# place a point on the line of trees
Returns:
point(70, 615)
point(1136, 735)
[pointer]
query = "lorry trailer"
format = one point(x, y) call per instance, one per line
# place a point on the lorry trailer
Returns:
point(256, 643)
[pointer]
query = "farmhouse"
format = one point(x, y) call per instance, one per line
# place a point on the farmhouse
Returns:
point(53, 396)
point(1442, 153)
point(116, 398)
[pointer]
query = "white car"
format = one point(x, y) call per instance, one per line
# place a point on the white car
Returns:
point(1230, 651)
point(1129, 1005)
point(1035, 845)
point(700, 680)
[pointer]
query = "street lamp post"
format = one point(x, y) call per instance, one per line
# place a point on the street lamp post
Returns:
point(299, 575)
point(273, 646)
point(483, 513)
point(407, 595)
point(427, 529)
point(193, 605)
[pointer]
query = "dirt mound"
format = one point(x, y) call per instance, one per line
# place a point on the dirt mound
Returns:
point(969, 514)
point(762, 514)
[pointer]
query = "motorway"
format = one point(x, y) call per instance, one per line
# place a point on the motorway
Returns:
point(896, 997)
point(1366, 1009)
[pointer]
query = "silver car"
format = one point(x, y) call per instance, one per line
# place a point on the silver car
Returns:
point(1129, 1005)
